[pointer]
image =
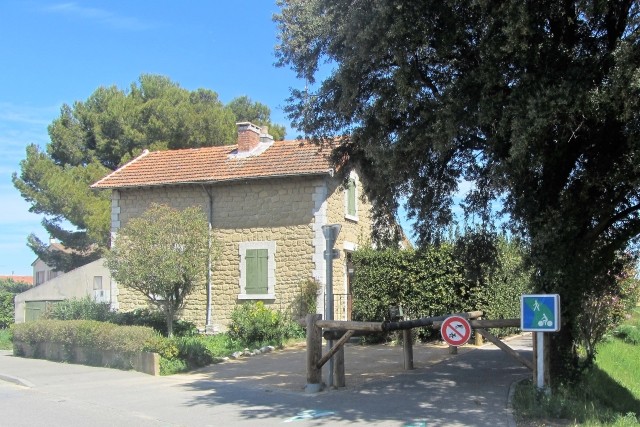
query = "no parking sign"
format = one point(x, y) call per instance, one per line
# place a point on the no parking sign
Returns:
point(455, 330)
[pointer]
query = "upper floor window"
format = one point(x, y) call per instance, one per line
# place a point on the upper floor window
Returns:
point(351, 199)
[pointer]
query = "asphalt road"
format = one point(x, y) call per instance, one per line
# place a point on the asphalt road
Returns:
point(468, 389)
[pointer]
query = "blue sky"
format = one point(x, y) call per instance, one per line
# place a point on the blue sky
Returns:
point(56, 52)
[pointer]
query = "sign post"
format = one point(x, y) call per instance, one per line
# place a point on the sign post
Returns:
point(455, 330)
point(540, 313)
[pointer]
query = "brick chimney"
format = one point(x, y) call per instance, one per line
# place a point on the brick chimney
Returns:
point(248, 136)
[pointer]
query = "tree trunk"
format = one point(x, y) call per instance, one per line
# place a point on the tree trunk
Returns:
point(169, 314)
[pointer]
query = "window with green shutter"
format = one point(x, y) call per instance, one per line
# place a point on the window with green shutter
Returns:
point(351, 198)
point(257, 270)
point(257, 262)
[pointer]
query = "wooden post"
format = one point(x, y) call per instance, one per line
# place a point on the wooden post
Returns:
point(479, 336)
point(407, 349)
point(314, 354)
point(338, 368)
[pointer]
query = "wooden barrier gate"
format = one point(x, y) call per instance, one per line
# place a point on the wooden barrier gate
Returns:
point(342, 331)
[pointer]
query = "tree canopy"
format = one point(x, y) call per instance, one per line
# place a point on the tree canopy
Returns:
point(9, 288)
point(94, 137)
point(259, 114)
point(538, 103)
point(163, 255)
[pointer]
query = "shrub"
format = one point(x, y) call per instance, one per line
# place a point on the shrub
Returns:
point(80, 309)
point(6, 338)
point(256, 325)
point(426, 283)
point(306, 300)
point(8, 290)
point(85, 333)
point(155, 320)
point(195, 351)
point(441, 280)
point(165, 347)
point(172, 366)
point(611, 297)
point(628, 333)
point(499, 295)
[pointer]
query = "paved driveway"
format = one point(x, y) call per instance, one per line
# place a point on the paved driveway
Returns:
point(467, 389)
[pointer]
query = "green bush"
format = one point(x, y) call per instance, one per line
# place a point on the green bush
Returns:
point(478, 271)
point(8, 290)
point(179, 354)
point(426, 283)
point(628, 333)
point(195, 351)
point(172, 366)
point(87, 309)
point(80, 309)
point(498, 296)
point(155, 320)
point(306, 300)
point(85, 333)
point(165, 347)
point(6, 339)
point(253, 324)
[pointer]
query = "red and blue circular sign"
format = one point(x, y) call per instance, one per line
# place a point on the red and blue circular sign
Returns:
point(455, 330)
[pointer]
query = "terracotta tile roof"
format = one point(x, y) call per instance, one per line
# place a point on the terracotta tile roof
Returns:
point(22, 279)
point(220, 164)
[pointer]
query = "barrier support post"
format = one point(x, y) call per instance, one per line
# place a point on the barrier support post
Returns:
point(479, 340)
point(314, 354)
point(407, 344)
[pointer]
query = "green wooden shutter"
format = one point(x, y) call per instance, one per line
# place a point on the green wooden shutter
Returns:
point(351, 198)
point(257, 261)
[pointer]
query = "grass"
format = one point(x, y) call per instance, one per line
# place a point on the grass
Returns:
point(5, 339)
point(609, 394)
point(202, 350)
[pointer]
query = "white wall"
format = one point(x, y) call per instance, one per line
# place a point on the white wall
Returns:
point(76, 283)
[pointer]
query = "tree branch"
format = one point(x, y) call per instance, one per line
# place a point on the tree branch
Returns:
point(603, 225)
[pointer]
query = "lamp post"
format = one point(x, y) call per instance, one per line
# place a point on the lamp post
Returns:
point(330, 232)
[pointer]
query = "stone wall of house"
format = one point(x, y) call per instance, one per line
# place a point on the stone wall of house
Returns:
point(354, 233)
point(280, 210)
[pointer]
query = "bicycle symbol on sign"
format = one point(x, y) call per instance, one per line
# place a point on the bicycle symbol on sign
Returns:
point(544, 321)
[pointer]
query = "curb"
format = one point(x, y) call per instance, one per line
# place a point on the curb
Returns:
point(511, 420)
point(17, 381)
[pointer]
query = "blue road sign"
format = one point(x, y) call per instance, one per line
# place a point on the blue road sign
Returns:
point(540, 313)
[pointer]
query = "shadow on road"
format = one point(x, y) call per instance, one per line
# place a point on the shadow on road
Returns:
point(470, 388)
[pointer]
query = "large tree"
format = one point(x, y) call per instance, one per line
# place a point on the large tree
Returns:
point(537, 102)
point(163, 255)
point(257, 113)
point(91, 138)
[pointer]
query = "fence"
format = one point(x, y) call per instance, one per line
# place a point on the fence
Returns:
point(342, 331)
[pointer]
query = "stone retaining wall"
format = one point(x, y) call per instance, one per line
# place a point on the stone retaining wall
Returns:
point(146, 362)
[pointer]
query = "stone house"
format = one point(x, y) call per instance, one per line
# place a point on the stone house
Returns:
point(266, 202)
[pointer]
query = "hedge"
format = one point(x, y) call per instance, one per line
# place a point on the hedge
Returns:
point(100, 336)
point(438, 281)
